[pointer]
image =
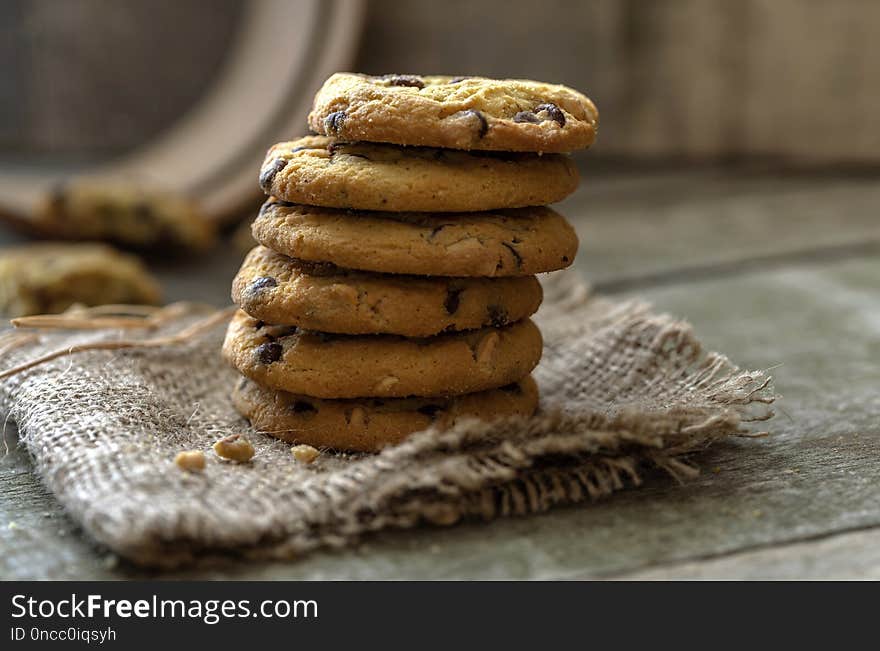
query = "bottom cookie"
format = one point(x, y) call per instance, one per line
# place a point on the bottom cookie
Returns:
point(369, 424)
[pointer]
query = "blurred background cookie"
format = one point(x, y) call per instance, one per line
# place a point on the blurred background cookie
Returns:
point(49, 278)
point(127, 215)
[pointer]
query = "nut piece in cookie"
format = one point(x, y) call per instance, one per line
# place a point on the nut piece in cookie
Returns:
point(455, 112)
point(127, 215)
point(49, 278)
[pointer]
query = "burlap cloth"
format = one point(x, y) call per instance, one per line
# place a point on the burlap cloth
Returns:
point(622, 389)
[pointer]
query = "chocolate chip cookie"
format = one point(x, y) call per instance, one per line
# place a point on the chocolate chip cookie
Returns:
point(455, 112)
point(320, 296)
point(368, 424)
point(354, 366)
point(516, 242)
point(49, 278)
point(322, 171)
point(130, 216)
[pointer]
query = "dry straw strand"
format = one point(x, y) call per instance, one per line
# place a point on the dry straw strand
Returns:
point(188, 333)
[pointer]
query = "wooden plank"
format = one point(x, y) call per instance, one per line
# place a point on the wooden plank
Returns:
point(37, 538)
point(851, 556)
point(636, 225)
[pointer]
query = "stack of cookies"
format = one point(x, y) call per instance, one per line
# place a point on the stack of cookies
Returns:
point(395, 276)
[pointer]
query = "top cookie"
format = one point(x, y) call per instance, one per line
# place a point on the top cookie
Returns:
point(455, 113)
point(128, 215)
point(322, 171)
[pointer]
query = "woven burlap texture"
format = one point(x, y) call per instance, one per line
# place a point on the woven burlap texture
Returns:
point(621, 387)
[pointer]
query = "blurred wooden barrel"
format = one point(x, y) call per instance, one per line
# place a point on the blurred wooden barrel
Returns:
point(184, 95)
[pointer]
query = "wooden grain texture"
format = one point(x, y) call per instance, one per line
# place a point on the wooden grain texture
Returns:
point(815, 477)
point(853, 556)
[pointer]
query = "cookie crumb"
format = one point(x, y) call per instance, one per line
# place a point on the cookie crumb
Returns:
point(190, 460)
point(304, 453)
point(357, 417)
point(234, 448)
point(486, 348)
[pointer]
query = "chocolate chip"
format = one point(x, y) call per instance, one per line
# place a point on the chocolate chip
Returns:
point(516, 255)
point(430, 410)
point(333, 122)
point(269, 352)
point(526, 116)
point(261, 283)
point(498, 316)
point(453, 300)
point(565, 258)
point(484, 125)
point(268, 174)
point(513, 387)
point(404, 80)
point(303, 407)
point(553, 113)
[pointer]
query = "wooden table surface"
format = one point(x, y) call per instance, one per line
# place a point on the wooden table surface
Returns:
point(773, 270)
